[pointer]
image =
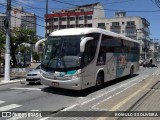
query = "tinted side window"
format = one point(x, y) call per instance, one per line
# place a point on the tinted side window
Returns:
point(130, 47)
point(126, 46)
point(110, 44)
point(90, 48)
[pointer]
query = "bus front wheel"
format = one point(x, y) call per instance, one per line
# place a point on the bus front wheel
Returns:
point(99, 80)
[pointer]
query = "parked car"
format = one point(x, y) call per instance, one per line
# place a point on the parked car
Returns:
point(141, 62)
point(149, 63)
point(33, 75)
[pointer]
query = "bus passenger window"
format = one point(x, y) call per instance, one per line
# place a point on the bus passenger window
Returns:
point(89, 53)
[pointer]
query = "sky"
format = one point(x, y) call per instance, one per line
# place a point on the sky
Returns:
point(143, 8)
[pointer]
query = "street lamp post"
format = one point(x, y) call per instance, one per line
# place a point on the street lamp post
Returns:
point(7, 52)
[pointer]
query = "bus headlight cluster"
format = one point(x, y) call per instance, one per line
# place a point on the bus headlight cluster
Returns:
point(73, 76)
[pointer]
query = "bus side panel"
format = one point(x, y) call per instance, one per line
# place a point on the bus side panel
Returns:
point(89, 75)
point(124, 63)
point(110, 67)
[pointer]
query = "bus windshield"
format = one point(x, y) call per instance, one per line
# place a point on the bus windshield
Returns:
point(62, 53)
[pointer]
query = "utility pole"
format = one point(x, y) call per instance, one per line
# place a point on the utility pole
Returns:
point(46, 17)
point(7, 23)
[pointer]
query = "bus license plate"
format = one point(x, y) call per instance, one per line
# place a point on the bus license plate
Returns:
point(56, 84)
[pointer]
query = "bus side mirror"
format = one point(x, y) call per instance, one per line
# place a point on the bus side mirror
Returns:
point(38, 42)
point(83, 43)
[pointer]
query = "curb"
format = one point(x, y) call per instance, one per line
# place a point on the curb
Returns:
point(11, 81)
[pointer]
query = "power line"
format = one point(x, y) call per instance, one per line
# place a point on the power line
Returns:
point(106, 9)
point(30, 7)
point(25, 20)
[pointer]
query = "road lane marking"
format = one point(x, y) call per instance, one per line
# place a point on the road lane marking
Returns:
point(129, 97)
point(45, 118)
point(1, 102)
point(94, 106)
point(8, 107)
point(68, 108)
point(36, 89)
point(94, 98)
point(109, 91)
point(120, 104)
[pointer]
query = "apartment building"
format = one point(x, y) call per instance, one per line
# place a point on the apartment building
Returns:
point(93, 15)
point(134, 27)
point(2, 17)
point(19, 18)
point(80, 16)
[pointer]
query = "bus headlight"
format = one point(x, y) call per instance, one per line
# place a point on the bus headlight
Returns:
point(73, 76)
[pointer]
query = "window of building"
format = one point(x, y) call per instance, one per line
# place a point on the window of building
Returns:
point(72, 18)
point(131, 32)
point(116, 31)
point(81, 17)
point(82, 10)
point(72, 26)
point(89, 17)
point(63, 26)
point(100, 25)
point(115, 23)
point(56, 27)
point(81, 25)
point(55, 19)
point(63, 18)
point(130, 23)
point(89, 25)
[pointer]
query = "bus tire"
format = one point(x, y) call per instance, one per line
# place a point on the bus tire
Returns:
point(131, 72)
point(99, 80)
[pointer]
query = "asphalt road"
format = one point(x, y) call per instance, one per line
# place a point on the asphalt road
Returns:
point(25, 97)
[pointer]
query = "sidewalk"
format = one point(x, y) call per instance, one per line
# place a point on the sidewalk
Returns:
point(17, 74)
point(13, 79)
point(144, 97)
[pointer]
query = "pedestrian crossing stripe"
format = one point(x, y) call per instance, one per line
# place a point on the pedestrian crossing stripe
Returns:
point(1, 102)
point(9, 107)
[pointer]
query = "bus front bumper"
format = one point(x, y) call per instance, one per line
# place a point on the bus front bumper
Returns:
point(73, 84)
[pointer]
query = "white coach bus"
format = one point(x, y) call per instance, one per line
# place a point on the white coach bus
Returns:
point(79, 58)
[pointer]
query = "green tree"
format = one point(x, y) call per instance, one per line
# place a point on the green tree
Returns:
point(36, 56)
point(19, 36)
point(2, 42)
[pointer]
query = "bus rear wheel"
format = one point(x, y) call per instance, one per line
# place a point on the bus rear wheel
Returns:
point(99, 81)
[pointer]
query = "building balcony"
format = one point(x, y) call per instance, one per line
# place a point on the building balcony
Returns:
point(115, 27)
point(72, 22)
point(56, 23)
point(131, 34)
point(64, 22)
point(102, 27)
point(130, 26)
point(81, 22)
point(89, 21)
